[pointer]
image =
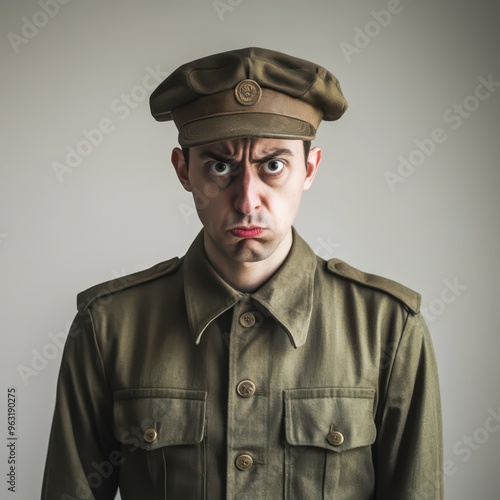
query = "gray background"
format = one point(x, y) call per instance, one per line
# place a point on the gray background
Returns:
point(121, 209)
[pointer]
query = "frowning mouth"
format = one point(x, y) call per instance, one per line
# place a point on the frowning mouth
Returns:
point(247, 232)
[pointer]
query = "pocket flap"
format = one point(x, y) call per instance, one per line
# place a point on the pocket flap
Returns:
point(155, 417)
point(335, 418)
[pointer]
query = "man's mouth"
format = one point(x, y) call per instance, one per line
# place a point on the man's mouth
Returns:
point(247, 232)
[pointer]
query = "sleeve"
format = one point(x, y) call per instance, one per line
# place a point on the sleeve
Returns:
point(409, 451)
point(83, 457)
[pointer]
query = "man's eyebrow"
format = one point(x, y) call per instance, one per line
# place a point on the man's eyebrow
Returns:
point(210, 155)
point(228, 158)
point(271, 154)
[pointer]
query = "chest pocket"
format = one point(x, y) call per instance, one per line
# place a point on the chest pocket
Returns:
point(162, 435)
point(328, 433)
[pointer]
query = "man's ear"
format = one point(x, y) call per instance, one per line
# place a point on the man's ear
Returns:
point(312, 164)
point(179, 163)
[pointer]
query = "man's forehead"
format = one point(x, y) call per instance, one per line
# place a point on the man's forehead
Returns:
point(253, 145)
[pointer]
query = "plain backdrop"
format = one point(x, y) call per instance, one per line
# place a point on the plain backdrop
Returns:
point(408, 187)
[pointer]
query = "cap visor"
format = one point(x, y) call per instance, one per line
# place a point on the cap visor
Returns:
point(222, 128)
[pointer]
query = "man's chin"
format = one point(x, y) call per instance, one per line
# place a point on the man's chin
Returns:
point(251, 250)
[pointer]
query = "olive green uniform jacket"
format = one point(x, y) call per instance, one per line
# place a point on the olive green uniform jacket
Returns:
point(320, 385)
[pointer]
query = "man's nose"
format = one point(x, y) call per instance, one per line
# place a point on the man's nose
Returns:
point(248, 191)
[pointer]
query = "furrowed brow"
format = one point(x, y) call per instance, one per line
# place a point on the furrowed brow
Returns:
point(210, 155)
point(271, 155)
point(227, 158)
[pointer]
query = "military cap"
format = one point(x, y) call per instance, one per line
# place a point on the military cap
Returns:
point(251, 92)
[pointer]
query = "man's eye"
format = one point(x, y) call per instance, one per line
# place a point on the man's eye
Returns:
point(274, 166)
point(220, 168)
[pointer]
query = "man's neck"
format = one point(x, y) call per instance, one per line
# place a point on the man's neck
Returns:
point(247, 277)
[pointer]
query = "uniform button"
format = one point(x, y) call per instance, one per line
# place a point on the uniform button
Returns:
point(247, 320)
point(246, 388)
point(335, 438)
point(342, 266)
point(150, 435)
point(244, 462)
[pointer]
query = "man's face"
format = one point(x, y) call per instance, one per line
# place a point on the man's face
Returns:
point(247, 193)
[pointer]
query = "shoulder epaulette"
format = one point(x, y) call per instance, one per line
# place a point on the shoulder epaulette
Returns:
point(410, 298)
point(85, 298)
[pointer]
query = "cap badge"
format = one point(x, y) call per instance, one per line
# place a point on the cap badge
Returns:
point(248, 92)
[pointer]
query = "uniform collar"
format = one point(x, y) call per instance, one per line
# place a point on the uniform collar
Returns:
point(287, 295)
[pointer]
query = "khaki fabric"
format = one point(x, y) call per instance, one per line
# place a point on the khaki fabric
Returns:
point(250, 92)
point(320, 385)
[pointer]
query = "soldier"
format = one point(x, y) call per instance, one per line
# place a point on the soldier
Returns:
point(250, 367)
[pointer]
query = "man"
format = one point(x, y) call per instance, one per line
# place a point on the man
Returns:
point(249, 368)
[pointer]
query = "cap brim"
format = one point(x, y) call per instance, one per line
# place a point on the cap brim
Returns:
point(236, 126)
